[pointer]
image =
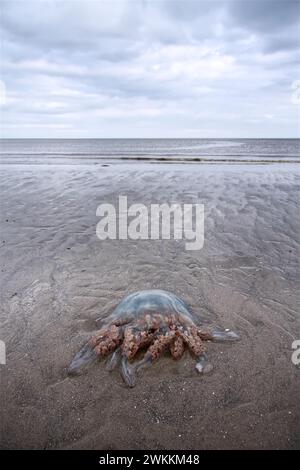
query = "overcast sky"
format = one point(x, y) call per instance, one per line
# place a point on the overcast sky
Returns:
point(156, 68)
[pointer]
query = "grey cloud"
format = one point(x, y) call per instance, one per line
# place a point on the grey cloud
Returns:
point(275, 22)
point(266, 15)
point(88, 64)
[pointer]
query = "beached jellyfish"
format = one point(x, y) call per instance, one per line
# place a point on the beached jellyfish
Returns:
point(148, 323)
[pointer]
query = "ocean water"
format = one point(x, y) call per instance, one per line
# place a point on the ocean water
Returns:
point(160, 150)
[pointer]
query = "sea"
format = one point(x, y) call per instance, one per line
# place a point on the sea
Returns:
point(77, 151)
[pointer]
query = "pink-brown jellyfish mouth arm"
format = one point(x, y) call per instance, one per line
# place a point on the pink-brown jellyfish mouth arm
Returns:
point(104, 342)
point(107, 340)
point(177, 348)
point(130, 370)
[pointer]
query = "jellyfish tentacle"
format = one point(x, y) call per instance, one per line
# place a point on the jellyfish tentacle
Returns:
point(130, 370)
point(101, 335)
point(130, 343)
point(84, 358)
point(224, 336)
point(106, 341)
point(114, 360)
point(136, 338)
point(192, 340)
point(98, 336)
point(202, 365)
point(160, 344)
point(205, 335)
point(177, 347)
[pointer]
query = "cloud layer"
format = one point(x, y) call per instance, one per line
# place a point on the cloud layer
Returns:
point(159, 68)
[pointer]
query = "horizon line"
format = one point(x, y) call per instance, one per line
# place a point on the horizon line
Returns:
point(149, 138)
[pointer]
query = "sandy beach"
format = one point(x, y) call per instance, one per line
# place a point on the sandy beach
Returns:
point(58, 278)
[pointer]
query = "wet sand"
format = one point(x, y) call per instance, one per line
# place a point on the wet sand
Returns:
point(58, 278)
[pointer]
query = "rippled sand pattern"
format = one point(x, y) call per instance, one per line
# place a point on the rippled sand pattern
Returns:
point(58, 278)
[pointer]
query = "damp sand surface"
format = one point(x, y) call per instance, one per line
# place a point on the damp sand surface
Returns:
point(57, 278)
